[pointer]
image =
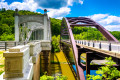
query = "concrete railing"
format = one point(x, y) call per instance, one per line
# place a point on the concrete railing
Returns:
point(21, 61)
point(104, 45)
point(35, 48)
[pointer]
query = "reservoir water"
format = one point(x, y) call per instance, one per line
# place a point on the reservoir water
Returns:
point(92, 72)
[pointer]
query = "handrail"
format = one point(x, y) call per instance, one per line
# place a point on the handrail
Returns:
point(8, 44)
point(101, 41)
point(108, 46)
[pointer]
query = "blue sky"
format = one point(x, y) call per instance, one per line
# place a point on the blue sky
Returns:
point(105, 12)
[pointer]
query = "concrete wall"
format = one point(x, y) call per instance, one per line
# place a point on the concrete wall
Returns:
point(23, 62)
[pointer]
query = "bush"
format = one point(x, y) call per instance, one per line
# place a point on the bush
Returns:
point(107, 72)
point(60, 77)
point(7, 37)
point(55, 43)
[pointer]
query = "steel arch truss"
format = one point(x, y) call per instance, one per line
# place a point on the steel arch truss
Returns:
point(83, 21)
point(66, 30)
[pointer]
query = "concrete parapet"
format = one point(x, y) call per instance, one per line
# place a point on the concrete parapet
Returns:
point(16, 61)
point(23, 62)
point(35, 48)
point(28, 74)
point(46, 45)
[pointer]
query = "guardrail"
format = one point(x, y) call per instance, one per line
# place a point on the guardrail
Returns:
point(4, 45)
point(104, 45)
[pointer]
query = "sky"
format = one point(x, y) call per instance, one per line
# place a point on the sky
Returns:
point(105, 12)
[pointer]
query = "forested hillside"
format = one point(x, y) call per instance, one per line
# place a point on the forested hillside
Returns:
point(84, 33)
point(88, 33)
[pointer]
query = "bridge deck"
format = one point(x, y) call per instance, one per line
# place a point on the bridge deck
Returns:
point(114, 54)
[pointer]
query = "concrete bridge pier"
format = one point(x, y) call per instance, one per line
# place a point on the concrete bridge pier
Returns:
point(45, 62)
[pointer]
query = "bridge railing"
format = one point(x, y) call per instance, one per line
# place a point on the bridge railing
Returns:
point(104, 45)
point(21, 60)
point(4, 45)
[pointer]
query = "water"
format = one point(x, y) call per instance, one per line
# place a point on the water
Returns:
point(92, 72)
point(71, 59)
point(55, 66)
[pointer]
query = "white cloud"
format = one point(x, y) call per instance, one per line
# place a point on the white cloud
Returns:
point(4, 5)
point(113, 27)
point(26, 5)
point(61, 9)
point(110, 22)
point(81, 1)
point(98, 16)
point(70, 2)
point(111, 19)
point(2, 0)
point(59, 13)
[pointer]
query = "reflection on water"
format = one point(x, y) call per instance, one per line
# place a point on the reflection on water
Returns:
point(55, 69)
point(55, 66)
point(60, 65)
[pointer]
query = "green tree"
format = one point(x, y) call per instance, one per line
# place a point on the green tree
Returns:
point(107, 72)
point(4, 28)
point(7, 37)
point(55, 26)
point(55, 43)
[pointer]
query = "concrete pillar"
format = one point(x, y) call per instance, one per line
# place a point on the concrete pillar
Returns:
point(45, 61)
point(36, 35)
point(33, 35)
point(39, 34)
point(16, 26)
point(23, 33)
point(48, 37)
point(45, 27)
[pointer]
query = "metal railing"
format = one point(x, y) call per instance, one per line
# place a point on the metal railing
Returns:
point(4, 45)
point(104, 45)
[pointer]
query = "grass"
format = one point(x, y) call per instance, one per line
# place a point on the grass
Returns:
point(1, 62)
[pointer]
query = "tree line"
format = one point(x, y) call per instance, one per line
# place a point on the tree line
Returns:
point(83, 33)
